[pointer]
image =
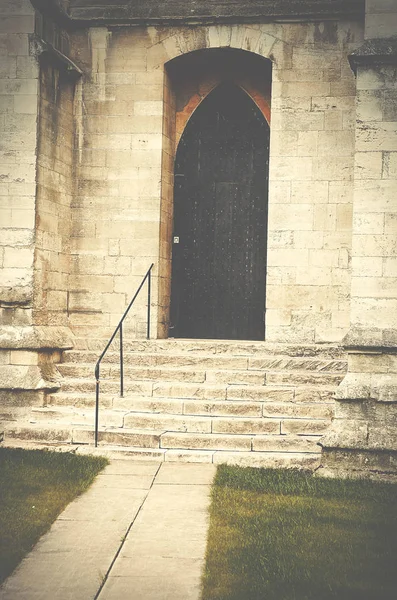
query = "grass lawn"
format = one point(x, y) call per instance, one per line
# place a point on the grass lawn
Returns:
point(35, 486)
point(284, 535)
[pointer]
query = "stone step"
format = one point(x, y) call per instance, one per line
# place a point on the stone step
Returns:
point(268, 443)
point(164, 359)
point(269, 460)
point(141, 404)
point(67, 434)
point(218, 347)
point(297, 460)
point(80, 371)
point(247, 403)
point(304, 378)
point(206, 424)
point(124, 419)
point(309, 401)
point(261, 423)
point(158, 405)
point(51, 433)
point(83, 371)
point(204, 362)
point(284, 392)
point(276, 384)
point(300, 460)
point(297, 418)
point(84, 386)
point(69, 416)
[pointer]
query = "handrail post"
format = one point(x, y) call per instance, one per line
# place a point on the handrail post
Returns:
point(120, 329)
point(149, 285)
point(121, 362)
point(96, 405)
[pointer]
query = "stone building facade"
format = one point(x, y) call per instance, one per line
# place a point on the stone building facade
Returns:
point(94, 98)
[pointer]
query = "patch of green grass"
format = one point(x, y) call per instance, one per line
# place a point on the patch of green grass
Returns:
point(35, 486)
point(285, 535)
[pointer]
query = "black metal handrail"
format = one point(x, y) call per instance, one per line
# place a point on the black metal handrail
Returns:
point(119, 328)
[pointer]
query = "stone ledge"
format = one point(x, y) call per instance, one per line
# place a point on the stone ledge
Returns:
point(362, 338)
point(368, 386)
point(358, 464)
point(375, 52)
point(140, 12)
point(19, 295)
point(355, 435)
point(22, 377)
point(42, 49)
point(13, 400)
point(346, 435)
point(35, 338)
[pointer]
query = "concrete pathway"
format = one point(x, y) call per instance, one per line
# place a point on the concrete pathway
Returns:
point(139, 533)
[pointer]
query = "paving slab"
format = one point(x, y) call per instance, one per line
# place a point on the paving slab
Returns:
point(181, 587)
point(187, 474)
point(139, 532)
point(130, 467)
point(135, 482)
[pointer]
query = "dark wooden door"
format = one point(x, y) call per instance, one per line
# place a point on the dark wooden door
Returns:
point(220, 220)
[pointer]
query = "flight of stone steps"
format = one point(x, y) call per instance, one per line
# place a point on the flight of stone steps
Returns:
point(247, 403)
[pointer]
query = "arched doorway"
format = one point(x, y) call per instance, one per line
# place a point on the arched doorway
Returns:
point(220, 220)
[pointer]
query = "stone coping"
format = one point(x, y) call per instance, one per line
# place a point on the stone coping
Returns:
point(43, 49)
point(35, 338)
point(375, 51)
point(80, 12)
point(371, 339)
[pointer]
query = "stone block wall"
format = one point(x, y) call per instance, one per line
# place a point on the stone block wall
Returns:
point(122, 213)
point(116, 210)
point(380, 19)
point(36, 170)
point(55, 187)
point(18, 139)
point(27, 351)
point(362, 438)
point(311, 184)
point(374, 282)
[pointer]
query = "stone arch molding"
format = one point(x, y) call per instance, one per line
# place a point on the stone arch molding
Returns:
point(259, 39)
point(166, 44)
point(256, 98)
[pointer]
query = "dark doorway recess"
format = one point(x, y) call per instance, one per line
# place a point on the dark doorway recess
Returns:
point(220, 220)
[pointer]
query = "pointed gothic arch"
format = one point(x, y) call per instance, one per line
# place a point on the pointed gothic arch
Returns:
point(220, 220)
point(190, 82)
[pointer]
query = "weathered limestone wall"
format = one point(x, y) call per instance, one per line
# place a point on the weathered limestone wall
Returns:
point(311, 172)
point(27, 350)
point(127, 143)
point(363, 437)
point(208, 11)
point(380, 19)
point(18, 139)
point(19, 74)
point(374, 282)
point(55, 181)
point(116, 210)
